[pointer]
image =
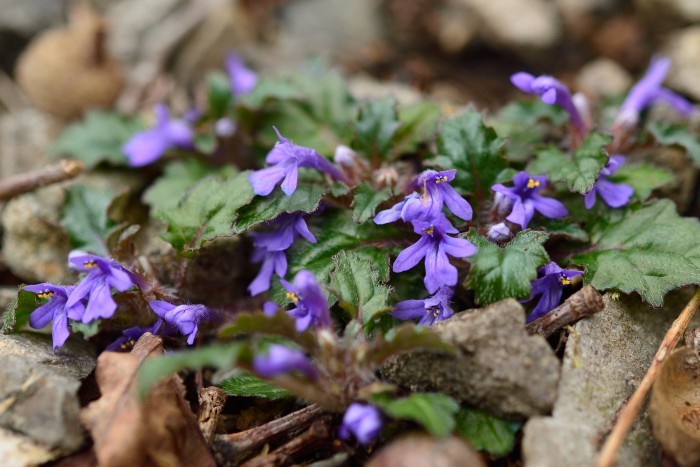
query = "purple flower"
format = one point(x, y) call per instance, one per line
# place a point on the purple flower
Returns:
point(146, 147)
point(550, 286)
point(287, 158)
point(430, 311)
point(130, 336)
point(434, 245)
point(224, 127)
point(311, 304)
point(499, 232)
point(280, 359)
point(402, 210)
point(184, 317)
point(56, 310)
point(614, 194)
point(270, 246)
point(552, 92)
point(525, 199)
point(270, 308)
point(242, 78)
point(649, 90)
point(364, 421)
point(102, 274)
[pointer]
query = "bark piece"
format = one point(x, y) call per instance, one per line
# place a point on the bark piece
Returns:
point(498, 368)
point(211, 403)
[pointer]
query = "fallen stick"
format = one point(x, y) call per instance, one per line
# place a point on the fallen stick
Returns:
point(628, 413)
point(30, 181)
point(585, 302)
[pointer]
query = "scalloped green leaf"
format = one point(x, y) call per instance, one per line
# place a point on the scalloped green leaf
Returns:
point(365, 201)
point(673, 134)
point(644, 178)
point(17, 313)
point(84, 216)
point(486, 432)
point(434, 411)
point(247, 385)
point(375, 127)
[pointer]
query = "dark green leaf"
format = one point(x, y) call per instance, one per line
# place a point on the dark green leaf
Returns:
point(358, 287)
point(434, 411)
point(219, 94)
point(281, 324)
point(418, 126)
point(466, 144)
point(267, 89)
point(644, 178)
point(562, 228)
point(157, 368)
point(17, 313)
point(205, 143)
point(499, 273)
point(247, 385)
point(407, 338)
point(580, 171)
point(669, 134)
point(365, 201)
point(85, 218)
point(99, 137)
point(306, 198)
point(648, 249)
point(375, 127)
point(486, 432)
point(207, 211)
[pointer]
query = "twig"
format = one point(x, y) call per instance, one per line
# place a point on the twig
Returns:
point(585, 302)
point(239, 445)
point(30, 181)
point(629, 411)
point(211, 403)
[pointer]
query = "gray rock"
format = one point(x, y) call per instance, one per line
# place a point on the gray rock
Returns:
point(498, 368)
point(76, 359)
point(606, 357)
point(683, 47)
point(19, 451)
point(28, 17)
point(603, 78)
point(38, 403)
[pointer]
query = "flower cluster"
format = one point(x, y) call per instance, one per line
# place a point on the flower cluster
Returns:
point(91, 299)
point(523, 199)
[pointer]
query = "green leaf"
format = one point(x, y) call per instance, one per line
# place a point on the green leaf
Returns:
point(358, 287)
point(375, 127)
point(84, 216)
point(644, 178)
point(247, 385)
point(281, 324)
point(365, 201)
point(157, 368)
point(418, 126)
point(86, 329)
point(486, 432)
point(17, 313)
point(580, 171)
point(670, 134)
point(269, 88)
point(466, 144)
point(407, 338)
point(648, 249)
point(219, 94)
point(562, 228)
point(99, 137)
point(434, 411)
point(177, 179)
point(305, 198)
point(207, 211)
point(499, 273)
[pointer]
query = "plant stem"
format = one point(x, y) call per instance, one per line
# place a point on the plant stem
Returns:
point(629, 411)
point(30, 181)
point(585, 302)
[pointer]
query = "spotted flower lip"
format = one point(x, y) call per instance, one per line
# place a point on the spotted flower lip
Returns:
point(280, 360)
point(241, 78)
point(430, 311)
point(613, 194)
point(434, 245)
point(56, 310)
point(552, 92)
point(364, 421)
point(102, 275)
point(287, 158)
point(185, 318)
point(311, 304)
point(550, 287)
point(525, 199)
point(146, 147)
point(649, 90)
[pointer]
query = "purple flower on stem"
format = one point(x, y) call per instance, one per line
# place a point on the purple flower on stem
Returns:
point(287, 158)
point(552, 92)
point(272, 262)
point(364, 421)
point(525, 199)
point(242, 78)
point(280, 359)
point(56, 310)
point(130, 336)
point(184, 317)
point(146, 147)
point(430, 311)
point(311, 304)
point(613, 194)
point(649, 90)
point(403, 210)
point(434, 245)
point(550, 286)
point(102, 275)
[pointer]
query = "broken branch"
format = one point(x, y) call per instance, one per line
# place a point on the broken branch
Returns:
point(585, 302)
point(30, 181)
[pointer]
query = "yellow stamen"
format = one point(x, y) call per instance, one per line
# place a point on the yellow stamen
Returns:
point(434, 310)
point(531, 183)
point(89, 264)
point(45, 294)
point(429, 230)
point(293, 297)
point(441, 179)
point(565, 280)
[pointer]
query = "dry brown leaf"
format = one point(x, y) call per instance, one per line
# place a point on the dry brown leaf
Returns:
point(159, 431)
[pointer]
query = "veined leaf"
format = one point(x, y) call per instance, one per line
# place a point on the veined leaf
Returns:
point(434, 411)
point(375, 127)
point(358, 287)
point(85, 218)
point(248, 385)
point(669, 134)
point(17, 313)
point(365, 201)
point(486, 432)
point(644, 178)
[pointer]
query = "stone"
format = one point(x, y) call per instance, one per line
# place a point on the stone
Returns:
point(498, 367)
point(421, 449)
point(29, 17)
point(603, 78)
point(606, 357)
point(682, 47)
point(19, 451)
